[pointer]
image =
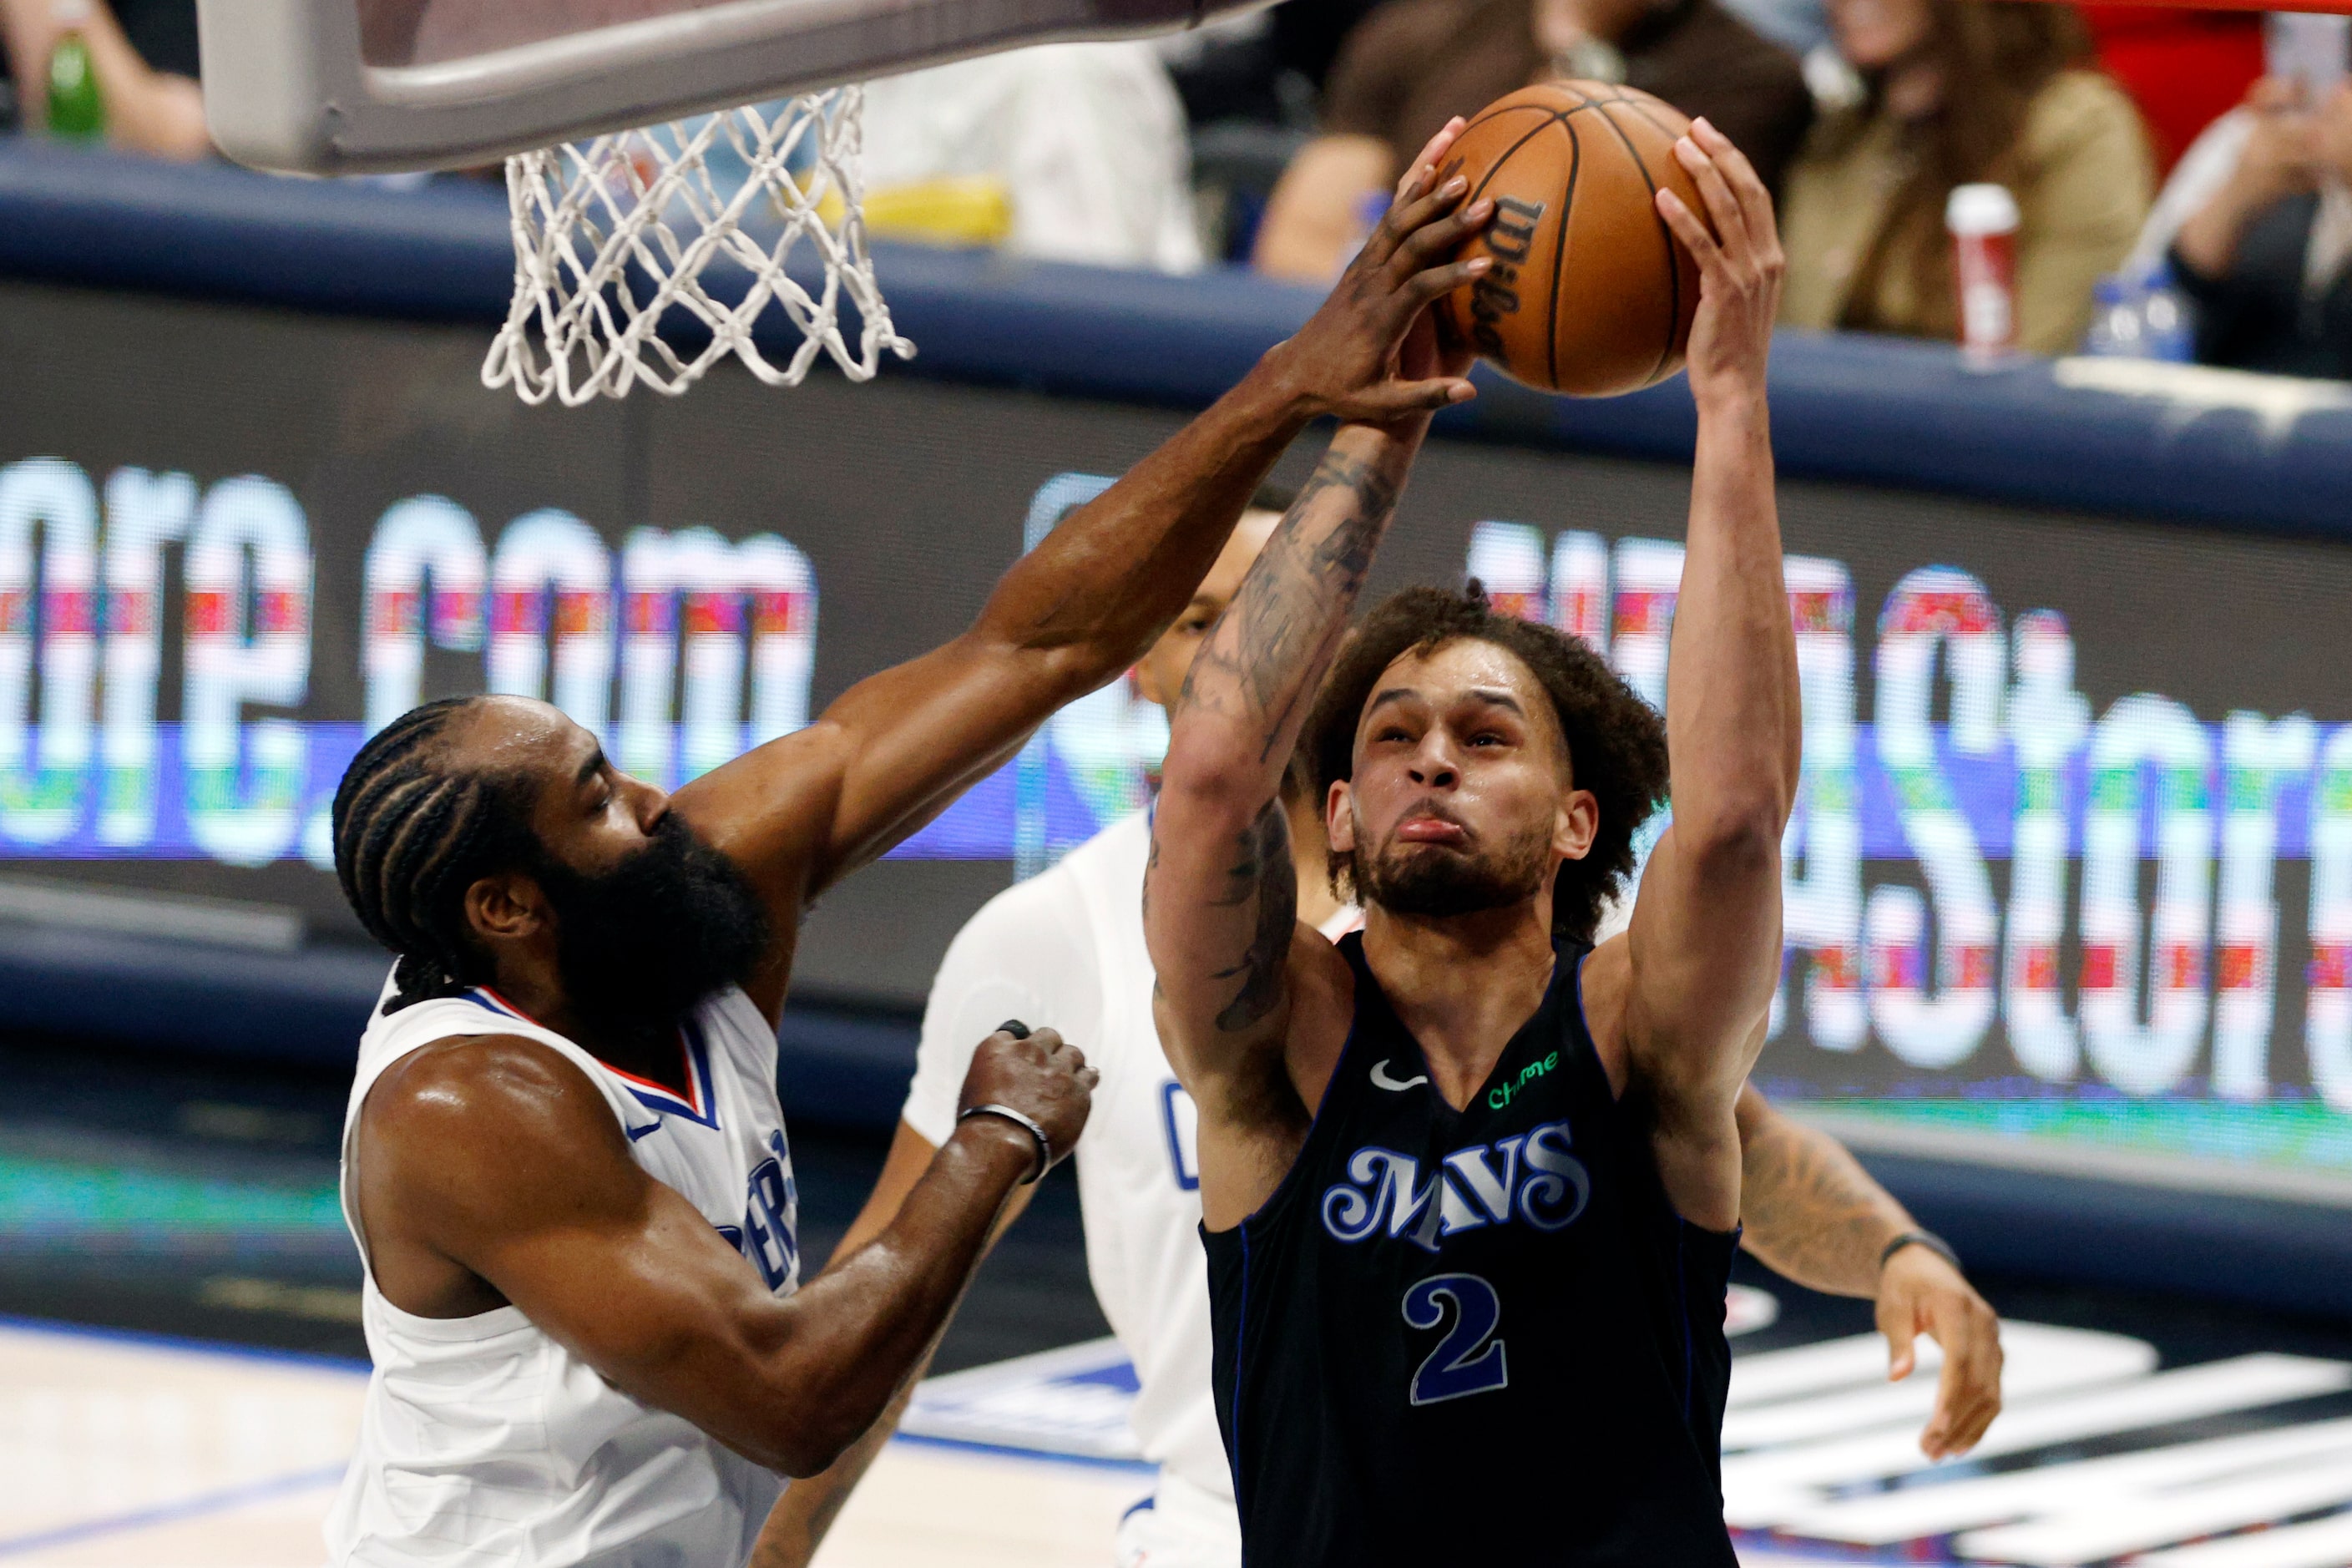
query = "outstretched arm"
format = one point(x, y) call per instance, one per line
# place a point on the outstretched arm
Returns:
point(1221, 898)
point(893, 750)
point(1221, 895)
point(1704, 950)
point(1813, 1213)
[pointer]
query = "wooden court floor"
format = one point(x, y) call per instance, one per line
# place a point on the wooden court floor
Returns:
point(121, 1451)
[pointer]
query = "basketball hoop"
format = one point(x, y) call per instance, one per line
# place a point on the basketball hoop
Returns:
point(611, 233)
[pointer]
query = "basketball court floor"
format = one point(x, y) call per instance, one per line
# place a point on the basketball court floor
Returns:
point(181, 1378)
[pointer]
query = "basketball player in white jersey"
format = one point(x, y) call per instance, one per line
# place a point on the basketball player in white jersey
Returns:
point(564, 1162)
point(1068, 946)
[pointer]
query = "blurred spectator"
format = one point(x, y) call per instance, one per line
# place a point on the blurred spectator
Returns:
point(1957, 92)
point(2264, 259)
point(142, 54)
point(1413, 63)
point(1800, 27)
point(1064, 153)
point(2184, 68)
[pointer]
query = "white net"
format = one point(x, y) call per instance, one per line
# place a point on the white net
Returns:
point(702, 216)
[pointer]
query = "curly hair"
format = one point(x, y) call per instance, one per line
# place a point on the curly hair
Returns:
point(1616, 742)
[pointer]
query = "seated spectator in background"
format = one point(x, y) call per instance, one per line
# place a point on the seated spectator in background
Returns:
point(1800, 27)
point(1064, 153)
point(1413, 64)
point(144, 61)
point(1958, 91)
point(2264, 259)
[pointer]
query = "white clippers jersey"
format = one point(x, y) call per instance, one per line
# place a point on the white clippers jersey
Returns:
point(1065, 950)
point(482, 1439)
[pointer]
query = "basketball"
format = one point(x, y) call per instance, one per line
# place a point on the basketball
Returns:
point(1590, 294)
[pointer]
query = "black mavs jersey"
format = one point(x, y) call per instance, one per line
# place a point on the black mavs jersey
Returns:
point(1473, 1337)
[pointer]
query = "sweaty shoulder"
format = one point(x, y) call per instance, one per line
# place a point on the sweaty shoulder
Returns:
point(482, 1121)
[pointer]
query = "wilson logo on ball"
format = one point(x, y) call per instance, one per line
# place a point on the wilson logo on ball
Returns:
point(1510, 236)
point(1590, 293)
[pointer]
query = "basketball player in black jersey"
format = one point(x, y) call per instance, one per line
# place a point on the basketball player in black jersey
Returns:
point(1470, 1187)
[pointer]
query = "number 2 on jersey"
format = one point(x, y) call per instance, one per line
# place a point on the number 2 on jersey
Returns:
point(1469, 1359)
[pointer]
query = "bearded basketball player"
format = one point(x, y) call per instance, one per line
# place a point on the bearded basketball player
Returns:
point(1067, 947)
point(1470, 1186)
point(564, 1162)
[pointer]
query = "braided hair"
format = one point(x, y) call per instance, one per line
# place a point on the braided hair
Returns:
point(411, 835)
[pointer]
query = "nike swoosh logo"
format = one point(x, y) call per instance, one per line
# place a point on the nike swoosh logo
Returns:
point(637, 1133)
point(1381, 1078)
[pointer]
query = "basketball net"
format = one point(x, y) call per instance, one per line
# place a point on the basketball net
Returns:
point(611, 233)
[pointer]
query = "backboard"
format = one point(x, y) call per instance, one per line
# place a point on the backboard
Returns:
point(329, 87)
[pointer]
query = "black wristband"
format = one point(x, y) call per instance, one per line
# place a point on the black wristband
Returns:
point(1926, 1238)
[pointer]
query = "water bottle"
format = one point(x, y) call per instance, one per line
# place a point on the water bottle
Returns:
point(2168, 329)
point(2141, 315)
point(2117, 325)
point(76, 110)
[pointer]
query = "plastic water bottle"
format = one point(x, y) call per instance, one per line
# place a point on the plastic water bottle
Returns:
point(2141, 315)
point(76, 109)
point(2116, 327)
point(2168, 326)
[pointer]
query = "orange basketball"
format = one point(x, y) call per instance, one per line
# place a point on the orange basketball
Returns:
point(1590, 294)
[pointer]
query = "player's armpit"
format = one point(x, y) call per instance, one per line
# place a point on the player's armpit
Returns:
point(499, 1156)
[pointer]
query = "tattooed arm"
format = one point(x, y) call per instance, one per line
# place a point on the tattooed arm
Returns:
point(1815, 1215)
point(1249, 999)
point(1809, 1208)
point(1244, 989)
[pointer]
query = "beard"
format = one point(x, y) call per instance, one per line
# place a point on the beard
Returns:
point(1435, 881)
point(639, 945)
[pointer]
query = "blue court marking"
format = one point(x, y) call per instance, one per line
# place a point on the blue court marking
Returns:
point(170, 1512)
point(1041, 1455)
point(315, 1359)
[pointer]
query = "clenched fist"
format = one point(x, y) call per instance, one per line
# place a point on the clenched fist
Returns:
point(1039, 1075)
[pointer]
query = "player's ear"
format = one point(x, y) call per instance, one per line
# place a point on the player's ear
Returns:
point(1145, 683)
point(1340, 819)
point(1575, 824)
point(505, 908)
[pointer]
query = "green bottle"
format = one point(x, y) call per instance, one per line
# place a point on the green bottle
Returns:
point(76, 110)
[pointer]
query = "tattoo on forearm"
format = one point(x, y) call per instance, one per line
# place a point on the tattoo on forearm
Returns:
point(1813, 1213)
point(1294, 606)
point(1261, 873)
